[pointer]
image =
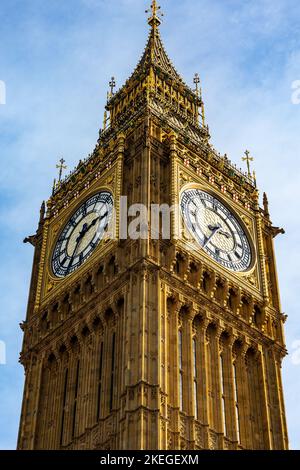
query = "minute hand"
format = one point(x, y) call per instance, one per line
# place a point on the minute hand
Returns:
point(96, 220)
point(214, 231)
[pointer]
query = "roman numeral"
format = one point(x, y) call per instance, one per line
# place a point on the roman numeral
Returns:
point(64, 260)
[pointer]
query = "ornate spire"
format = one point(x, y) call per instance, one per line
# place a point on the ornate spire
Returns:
point(154, 20)
point(42, 214)
point(153, 69)
point(266, 206)
point(198, 92)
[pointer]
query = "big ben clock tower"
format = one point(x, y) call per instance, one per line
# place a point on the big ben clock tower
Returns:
point(154, 342)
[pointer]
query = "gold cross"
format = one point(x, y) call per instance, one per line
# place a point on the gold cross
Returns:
point(248, 159)
point(154, 20)
point(61, 167)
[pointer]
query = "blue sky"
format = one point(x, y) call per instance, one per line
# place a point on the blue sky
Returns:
point(56, 60)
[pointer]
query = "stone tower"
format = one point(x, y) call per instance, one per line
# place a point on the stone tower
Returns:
point(154, 342)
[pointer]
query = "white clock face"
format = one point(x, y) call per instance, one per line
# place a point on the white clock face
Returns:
point(216, 230)
point(82, 234)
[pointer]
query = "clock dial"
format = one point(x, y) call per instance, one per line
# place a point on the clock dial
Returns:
point(216, 229)
point(82, 234)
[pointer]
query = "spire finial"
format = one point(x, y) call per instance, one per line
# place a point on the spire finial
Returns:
point(112, 85)
point(248, 159)
point(198, 92)
point(42, 213)
point(61, 167)
point(154, 20)
point(197, 82)
point(266, 206)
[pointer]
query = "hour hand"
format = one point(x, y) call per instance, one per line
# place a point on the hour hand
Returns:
point(82, 233)
point(226, 234)
point(213, 228)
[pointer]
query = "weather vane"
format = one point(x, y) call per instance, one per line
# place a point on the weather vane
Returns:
point(154, 19)
point(248, 159)
point(61, 167)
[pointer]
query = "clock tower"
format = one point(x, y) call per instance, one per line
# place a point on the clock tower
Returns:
point(138, 340)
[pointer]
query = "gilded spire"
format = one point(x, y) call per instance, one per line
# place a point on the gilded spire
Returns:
point(266, 206)
point(154, 20)
point(198, 92)
point(42, 214)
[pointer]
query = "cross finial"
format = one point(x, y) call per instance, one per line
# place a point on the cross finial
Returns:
point(112, 85)
point(248, 159)
point(197, 82)
point(154, 20)
point(198, 92)
point(61, 167)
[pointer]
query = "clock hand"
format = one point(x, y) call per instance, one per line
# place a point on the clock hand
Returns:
point(78, 242)
point(95, 221)
point(81, 235)
point(213, 227)
point(215, 230)
point(226, 234)
point(82, 232)
point(222, 232)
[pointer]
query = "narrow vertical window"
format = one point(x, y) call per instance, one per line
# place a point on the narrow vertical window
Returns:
point(223, 394)
point(195, 378)
point(180, 370)
point(75, 399)
point(99, 382)
point(64, 408)
point(236, 403)
point(112, 372)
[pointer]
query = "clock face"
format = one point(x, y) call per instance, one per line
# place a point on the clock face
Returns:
point(82, 234)
point(216, 229)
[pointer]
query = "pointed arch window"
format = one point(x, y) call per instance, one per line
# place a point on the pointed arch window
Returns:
point(99, 382)
point(223, 402)
point(195, 378)
point(180, 370)
point(63, 415)
point(236, 404)
point(112, 376)
point(75, 398)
